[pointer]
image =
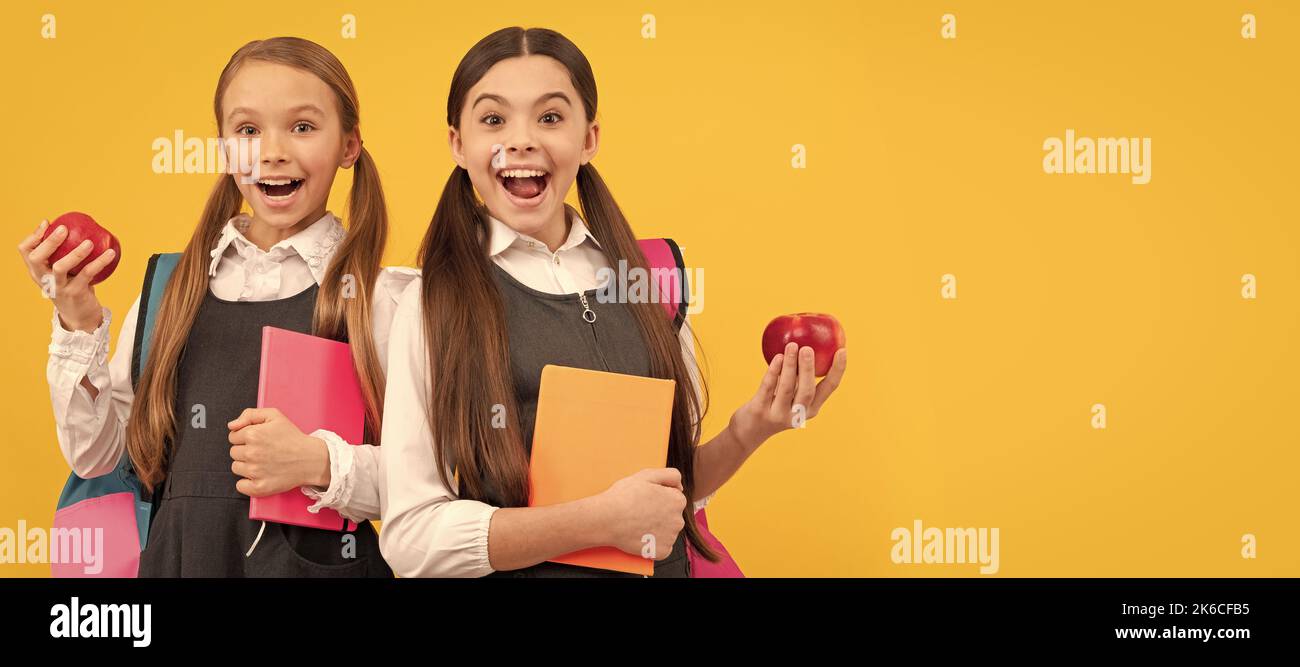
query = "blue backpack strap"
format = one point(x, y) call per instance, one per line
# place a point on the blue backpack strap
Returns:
point(156, 276)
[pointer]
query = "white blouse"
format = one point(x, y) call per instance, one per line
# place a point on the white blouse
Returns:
point(91, 432)
point(427, 531)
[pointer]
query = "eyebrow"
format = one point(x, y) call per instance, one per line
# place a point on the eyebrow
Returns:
point(296, 110)
point(502, 101)
point(307, 107)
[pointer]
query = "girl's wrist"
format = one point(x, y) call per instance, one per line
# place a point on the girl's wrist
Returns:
point(748, 442)
point(320, 467)
point(600, 529)
point(87, 324)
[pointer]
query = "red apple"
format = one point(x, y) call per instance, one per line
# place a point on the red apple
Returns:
point(81, 227)
point(819, 331)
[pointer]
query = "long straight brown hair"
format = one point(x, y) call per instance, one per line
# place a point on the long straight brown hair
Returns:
point(464, 317)
point(151, 429)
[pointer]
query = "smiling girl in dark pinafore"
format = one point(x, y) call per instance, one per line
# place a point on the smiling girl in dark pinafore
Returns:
point(509, 278)
point(289, 264)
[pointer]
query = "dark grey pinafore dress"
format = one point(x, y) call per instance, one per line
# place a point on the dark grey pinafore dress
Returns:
point(201, 526)
point(550, 329)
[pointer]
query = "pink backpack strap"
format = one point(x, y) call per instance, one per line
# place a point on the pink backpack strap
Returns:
point(701, 568)
point(664, 255)
point(664, 259)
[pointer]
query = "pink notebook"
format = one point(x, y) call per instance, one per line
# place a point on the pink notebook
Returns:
point(312, 381)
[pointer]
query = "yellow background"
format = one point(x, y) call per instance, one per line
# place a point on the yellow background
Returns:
point(923, 158)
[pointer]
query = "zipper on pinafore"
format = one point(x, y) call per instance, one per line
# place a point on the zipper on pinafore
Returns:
point(589, 316)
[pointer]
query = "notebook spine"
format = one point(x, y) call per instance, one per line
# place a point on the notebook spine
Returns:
point(262, 379)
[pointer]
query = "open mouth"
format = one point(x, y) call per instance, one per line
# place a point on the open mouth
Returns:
point(524, 185)
point(279, 188)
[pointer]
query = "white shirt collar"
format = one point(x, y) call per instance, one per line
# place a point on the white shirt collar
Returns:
point(315, 244)
point(504, 237)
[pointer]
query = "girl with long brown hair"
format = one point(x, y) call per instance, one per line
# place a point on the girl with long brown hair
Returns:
point(509, 285)
point(188, 423)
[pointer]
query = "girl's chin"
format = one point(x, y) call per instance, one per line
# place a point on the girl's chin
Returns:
point(523, 220)
point(281, 219)
point(532, 226)
point(276, 218)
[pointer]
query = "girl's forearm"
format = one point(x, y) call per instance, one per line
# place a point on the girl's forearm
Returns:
point(85, 382)
point(717, 460)
point(88, 327)
point(520, 537)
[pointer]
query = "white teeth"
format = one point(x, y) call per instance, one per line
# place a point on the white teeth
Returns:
point(522, 173)
point(277, 181)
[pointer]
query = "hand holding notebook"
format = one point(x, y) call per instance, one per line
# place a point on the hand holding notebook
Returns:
point(312, 381)
point(594, 429)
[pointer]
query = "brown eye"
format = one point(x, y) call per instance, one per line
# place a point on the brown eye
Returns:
point(493, 119)
point(554, 118)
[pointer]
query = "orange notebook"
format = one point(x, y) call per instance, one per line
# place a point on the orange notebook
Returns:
point(593, 429)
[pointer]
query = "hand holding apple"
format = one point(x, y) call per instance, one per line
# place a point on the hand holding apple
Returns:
point(819, 331)
point(788, 395)
point(81, 227)
point(65, 259)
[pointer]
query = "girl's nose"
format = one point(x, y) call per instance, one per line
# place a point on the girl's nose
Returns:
point(522, 142)
point(272, 149)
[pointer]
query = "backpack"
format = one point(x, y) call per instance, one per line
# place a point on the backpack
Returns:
point(665, 254)
point(115, 503)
